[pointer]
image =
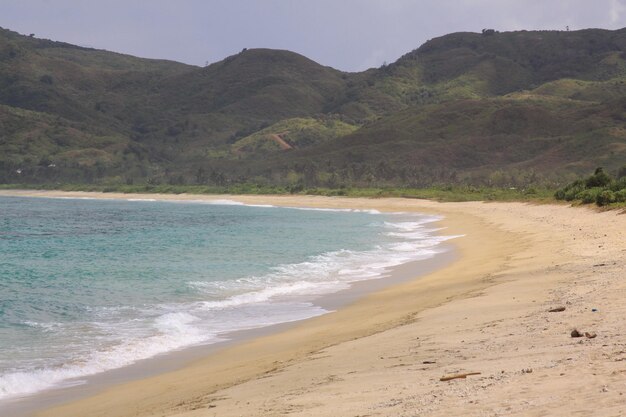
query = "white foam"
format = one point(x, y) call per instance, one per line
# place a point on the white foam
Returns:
point(329, 272)
point(280, 296)
point(223, 202)
point(280, 290)
point(218, 202)
point(339, 210)
point(71, 198)
point(174, 331)
point(46, 327)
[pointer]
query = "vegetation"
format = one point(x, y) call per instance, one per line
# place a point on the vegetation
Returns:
point(447, 193)
point(296, 133)
point(485, 111)
point(600, 188)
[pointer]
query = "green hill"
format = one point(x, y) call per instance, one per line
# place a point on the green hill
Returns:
point(506, 109)
point(500, 141)
point(296, 133)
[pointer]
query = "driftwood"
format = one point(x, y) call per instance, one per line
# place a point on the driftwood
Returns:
point(457, 376)
point(556, 310)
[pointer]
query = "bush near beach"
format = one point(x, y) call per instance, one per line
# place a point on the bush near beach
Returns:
point(600, 188)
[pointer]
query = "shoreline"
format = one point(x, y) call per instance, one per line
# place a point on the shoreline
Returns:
point(516, 260)
point(177, 359)
point(82, 387)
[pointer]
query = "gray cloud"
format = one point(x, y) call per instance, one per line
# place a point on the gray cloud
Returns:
point(346, 34)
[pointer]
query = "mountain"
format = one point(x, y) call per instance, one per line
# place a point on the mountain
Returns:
point(508, 109)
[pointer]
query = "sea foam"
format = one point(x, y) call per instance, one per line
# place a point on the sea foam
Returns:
point(285, 293)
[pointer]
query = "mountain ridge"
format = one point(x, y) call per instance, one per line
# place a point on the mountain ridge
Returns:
point(529, 106)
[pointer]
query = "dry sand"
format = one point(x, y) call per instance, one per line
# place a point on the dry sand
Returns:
point(385, 354)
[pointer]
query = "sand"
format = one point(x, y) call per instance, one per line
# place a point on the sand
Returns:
point(384, 355)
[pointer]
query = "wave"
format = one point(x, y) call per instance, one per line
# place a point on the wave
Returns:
point(224, 202)
point(328, 272)
point(175, 330)
point(284, 294)
point(339, 210)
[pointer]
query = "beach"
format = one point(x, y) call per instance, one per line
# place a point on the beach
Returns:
point(486, 313)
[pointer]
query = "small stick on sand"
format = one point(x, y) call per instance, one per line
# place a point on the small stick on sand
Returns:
point(457, 376)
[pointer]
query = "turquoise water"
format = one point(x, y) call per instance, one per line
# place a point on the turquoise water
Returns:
point(92, 285)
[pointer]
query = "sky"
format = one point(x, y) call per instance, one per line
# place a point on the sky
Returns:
point(350, 35)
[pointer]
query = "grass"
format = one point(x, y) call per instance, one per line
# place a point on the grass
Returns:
point(297, 132)
point(448, 193)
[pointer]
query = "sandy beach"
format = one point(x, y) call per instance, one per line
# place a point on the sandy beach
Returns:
point(384, 355)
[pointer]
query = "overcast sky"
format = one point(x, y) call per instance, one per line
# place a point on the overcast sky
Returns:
point(350, 35)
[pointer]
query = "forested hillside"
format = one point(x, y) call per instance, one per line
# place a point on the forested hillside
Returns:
point(505, 109)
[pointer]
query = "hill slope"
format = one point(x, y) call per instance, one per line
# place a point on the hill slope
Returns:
point(502, 108)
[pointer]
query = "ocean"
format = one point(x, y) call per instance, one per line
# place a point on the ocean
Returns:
point(92, 285)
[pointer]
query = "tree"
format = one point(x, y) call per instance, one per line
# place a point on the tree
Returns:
point(217, 178)
point(46, 79)
point(200, 176)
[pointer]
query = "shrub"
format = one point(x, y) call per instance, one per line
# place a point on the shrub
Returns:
point(618, 185)
point(599, 188)
point(295, 188)
point(589, 196)
point(570, 191)
point(605, 198)
point(598, 179)
point(620, 196)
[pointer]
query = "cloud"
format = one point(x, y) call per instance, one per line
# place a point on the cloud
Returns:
point(350, 35)
point(616, 10)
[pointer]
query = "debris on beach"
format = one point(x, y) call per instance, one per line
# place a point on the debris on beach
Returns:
point(556, 309)
point(458, 376)
point(588, 335)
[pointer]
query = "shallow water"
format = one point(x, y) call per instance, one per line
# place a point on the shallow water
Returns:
point(92, 285)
